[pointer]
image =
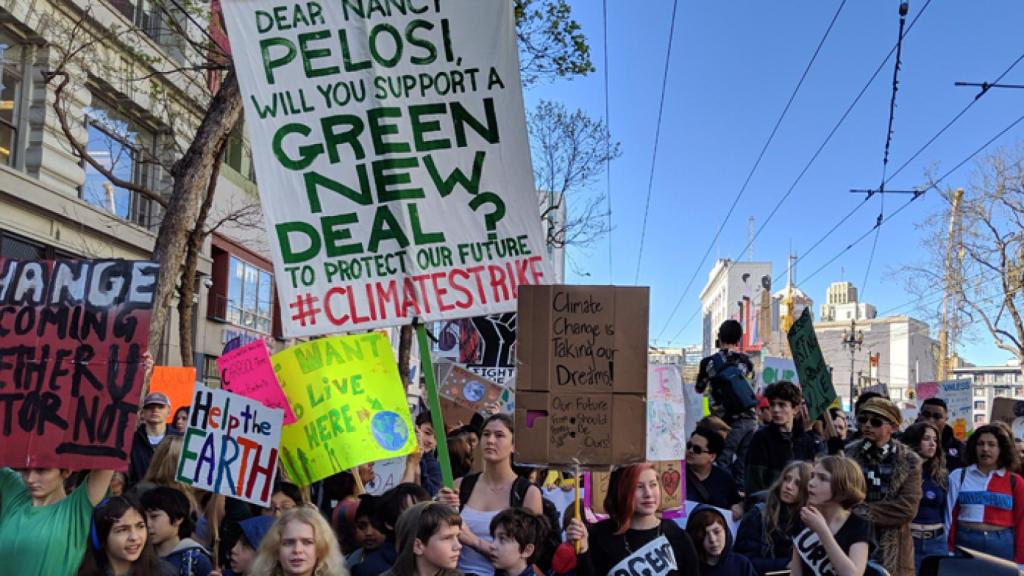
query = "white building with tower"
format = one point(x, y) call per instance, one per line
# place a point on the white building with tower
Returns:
point(904, 351)
point(739, 291)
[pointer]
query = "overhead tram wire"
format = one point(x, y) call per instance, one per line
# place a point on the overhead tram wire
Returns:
point(934, 184)
point(657, 138)
point(757, 163)
point(904, 8)
point(607, 143)
point(898, 170)
point(843, 220)
point(821, 148)
point(803, 172)
point(913, 198)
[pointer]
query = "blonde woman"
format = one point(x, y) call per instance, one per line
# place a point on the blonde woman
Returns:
point(766, 532)
point(300, 543)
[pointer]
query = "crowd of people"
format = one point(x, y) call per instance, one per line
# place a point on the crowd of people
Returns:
point(814, 497)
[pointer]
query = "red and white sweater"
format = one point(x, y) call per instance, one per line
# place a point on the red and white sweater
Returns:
point(996, 498)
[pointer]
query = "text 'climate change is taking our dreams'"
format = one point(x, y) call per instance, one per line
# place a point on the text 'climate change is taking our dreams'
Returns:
point(391, 150)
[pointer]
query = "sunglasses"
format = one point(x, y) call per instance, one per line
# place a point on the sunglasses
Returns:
point(931, 415)
point(698, 450)
point(875, 421)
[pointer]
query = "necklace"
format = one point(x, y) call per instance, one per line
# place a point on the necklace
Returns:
point(625, 539)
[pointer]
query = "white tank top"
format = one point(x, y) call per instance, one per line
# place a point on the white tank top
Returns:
point(479, 523)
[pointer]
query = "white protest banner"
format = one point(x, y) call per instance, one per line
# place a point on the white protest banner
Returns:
point(666, 413)
point(959, 397)
point(386, 475)
point(775, 369)
point(390, 144)
point(231, 445)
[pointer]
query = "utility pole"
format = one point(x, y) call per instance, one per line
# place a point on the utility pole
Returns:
point(950, 314)
point(853, 339)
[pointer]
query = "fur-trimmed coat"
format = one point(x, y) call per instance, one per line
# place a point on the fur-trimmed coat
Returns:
point(892, 515)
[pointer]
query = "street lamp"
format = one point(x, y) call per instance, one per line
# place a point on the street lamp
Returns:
point(853, 339)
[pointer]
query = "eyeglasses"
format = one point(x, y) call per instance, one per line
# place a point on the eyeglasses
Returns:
point(875, 421)
point(698, 450)
point(931, 415)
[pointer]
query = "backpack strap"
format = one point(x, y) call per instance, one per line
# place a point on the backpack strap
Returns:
point(466, 489)
point(518, 494)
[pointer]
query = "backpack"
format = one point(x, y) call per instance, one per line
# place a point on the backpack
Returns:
point(729, 387)
point(516, 497)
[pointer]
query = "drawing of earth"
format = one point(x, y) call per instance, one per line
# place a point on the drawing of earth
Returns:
point(389, 430)
point(473, 391)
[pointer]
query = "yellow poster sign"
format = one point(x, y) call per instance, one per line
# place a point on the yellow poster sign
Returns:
point(349, 404)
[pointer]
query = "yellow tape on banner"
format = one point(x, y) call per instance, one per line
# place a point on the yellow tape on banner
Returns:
point(349, 403)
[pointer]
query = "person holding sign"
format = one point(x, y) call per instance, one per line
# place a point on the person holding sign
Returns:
point(633, 538)
point(835, 541)
point(300, 543)
point(43, 530)
point(480, 497)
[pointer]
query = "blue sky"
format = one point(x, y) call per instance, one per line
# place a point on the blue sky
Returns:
point(733, 67)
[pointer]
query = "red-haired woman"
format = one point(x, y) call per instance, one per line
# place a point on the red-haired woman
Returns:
point(633, 536)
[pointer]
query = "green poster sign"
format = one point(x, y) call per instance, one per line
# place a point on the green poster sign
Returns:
point(815, 378)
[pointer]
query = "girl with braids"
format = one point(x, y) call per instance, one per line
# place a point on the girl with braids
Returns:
point(766, 532)
point(118, 542)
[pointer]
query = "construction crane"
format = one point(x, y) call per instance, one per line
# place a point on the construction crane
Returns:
point(951, 297)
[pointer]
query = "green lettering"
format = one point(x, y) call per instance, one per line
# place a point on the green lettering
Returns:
point(336, 230)
point(461, 117)
point(288, 254)
point(269, 64)
point(421, 127)
point(310, 54)
point(385, 227)
point(378, 130)
point(385, 182)
point(307, 153)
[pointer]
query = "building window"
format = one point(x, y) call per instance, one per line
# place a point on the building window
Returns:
point(126, 150)
point(211, 376)
point(164, 23)
point(979, 404)
point(12, 58)
point(18, 248)
point(250, 296)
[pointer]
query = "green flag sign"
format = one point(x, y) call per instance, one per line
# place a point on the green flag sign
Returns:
point(815, 378)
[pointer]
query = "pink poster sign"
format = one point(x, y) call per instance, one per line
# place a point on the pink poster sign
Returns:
point(247, 371)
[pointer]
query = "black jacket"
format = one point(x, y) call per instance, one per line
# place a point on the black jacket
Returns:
point(770, 451)
point(953, 448)
point(142, 453)
point(752, 540)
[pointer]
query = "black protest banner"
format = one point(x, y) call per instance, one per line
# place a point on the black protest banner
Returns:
point(815, 379)
point(72, 338)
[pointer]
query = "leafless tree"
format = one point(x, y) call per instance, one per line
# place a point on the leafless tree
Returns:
point(987, 262)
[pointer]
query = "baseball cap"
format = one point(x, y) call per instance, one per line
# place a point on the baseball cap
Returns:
point(157, 398)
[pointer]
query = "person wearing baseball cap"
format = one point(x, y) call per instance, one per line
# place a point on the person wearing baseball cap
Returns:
point(151, 431)
point(892, 472)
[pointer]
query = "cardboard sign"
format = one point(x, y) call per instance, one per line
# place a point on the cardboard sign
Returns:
point(582, 376)
point(671, 477)
point(467, 389)
point(349, 403)
point(666, 414)
point(230, 446)
point(1011, 411)
point(72, 337)
point(246, 371)
point(595, 429)
point(573, 336)
point(776, 369)
point(176, 382)
point(391, 149)
point(815, 379)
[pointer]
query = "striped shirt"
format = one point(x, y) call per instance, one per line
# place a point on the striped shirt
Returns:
point(996, 498)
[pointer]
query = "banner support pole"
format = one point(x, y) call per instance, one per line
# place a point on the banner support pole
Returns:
point(437, 419)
